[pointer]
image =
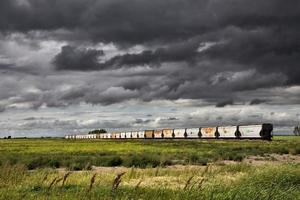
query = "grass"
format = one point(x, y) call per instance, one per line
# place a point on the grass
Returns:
point(235, 181)
point(28, 169)
point(83, 154)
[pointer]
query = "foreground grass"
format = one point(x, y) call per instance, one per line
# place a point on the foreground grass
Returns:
point(82, 154)
point(236, 181)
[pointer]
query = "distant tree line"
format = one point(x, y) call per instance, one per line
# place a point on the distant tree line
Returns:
point(97, 131)
point(297, 130)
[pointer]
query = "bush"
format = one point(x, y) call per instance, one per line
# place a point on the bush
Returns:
point(236, 157)
point(294, 151)
point(38, 162)
point(193, 158)
point(142, 161)
point(283, 150)
point(196, 159)
point(81, 163)
point(54, 163)
point(114, 161)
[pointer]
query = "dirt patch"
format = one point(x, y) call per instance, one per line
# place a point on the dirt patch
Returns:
point(272, 159)
point(110, 170)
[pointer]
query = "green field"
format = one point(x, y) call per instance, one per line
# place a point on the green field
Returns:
point(154, 169)
point(82, 154)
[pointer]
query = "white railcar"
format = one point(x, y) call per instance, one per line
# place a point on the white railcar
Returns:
point(192, 132)
point(179, 133)
point(227, 131)
point(134, 134)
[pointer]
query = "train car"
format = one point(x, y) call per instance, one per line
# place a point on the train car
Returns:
point(149, 134)
point(192, 132)
point(228, 132)
point(118, 135)
point(141, 134)
point(158, 134)
point(128, 135)
point(168, 133)
point(123, 135)
point(263, 131)
point(113, 135)
point(134, 134)
point(208, 132)
point(179, 133)
point(109, 135)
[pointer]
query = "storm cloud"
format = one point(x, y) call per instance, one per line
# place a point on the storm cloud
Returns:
point(72, 58)
point(57, 54)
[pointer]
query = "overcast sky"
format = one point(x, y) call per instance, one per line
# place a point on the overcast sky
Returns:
point(68, 66)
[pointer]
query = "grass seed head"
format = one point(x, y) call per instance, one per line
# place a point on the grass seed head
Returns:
point(117, 181)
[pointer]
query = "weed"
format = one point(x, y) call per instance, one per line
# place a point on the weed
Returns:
point(65, 178)
point(117, 181)
point(92, 181)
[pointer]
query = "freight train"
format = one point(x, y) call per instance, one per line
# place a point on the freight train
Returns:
point(261, 131)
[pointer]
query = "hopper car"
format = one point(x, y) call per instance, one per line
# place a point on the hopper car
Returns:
point(260, 131)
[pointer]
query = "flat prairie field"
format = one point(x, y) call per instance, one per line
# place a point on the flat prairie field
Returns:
point(150, 169)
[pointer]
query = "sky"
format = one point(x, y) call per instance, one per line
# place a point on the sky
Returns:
point(70, 66)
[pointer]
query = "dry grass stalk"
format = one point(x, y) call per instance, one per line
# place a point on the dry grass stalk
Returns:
point(45, 178)
point(65, 178)
point(188, 182)
point(200, 183)
point(117, 181)
point(156, 171)
point(190, 186)
point(58, 180)
point(52, 183)
point(138, 184)
point(93, 179)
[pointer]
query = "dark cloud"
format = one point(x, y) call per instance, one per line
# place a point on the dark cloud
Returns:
point(140, 20)
point(224, 103)
point(184, 51)
point(257, 101)
point(104, 52)
point(172, 118)
point(142, 121)
point(71, 58)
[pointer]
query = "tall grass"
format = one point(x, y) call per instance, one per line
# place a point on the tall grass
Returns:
point(213, 182)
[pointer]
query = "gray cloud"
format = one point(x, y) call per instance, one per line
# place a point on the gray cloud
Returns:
point(142, 21)
point(2, 108)
point(57, 54)
point(257, 101)
point(71, 58)
point(224, 103)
